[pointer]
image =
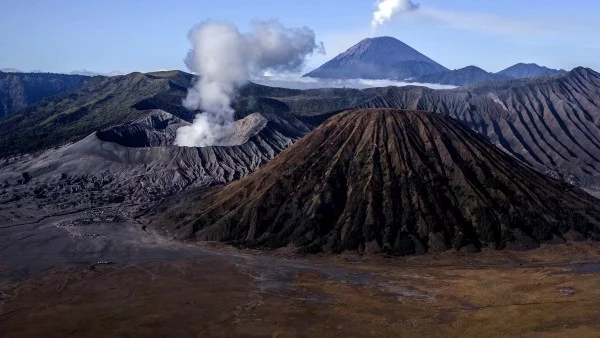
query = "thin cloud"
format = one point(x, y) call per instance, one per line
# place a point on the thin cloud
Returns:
point(483, 22)
point(313, 83)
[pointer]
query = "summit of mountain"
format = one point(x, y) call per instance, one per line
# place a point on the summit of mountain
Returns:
point(529, 70)
point(378, 58)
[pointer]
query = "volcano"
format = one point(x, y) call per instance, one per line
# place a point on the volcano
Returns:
point(375, 180)
point(378, 58)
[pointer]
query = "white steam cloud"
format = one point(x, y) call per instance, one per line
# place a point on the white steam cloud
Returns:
point(224, 59)
point(387, 9)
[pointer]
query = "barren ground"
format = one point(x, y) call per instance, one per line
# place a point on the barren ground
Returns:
point(156, 288)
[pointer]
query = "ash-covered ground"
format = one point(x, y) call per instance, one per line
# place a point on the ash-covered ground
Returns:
point(33, 241)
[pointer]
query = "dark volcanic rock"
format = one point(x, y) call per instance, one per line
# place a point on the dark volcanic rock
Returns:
point(386, 180)
point(159, 128)
point(378, 58)
point(137, 162)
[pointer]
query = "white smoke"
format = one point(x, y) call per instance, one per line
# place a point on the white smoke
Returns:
point(224, 59)
point(387, 9)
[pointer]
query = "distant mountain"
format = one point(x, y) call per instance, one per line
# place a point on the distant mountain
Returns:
point(75, 72)
point(114, 73)
point(378, 58)
point(461, 77)
point(528, 70)
point(20, 90)
point(381, 180)
point(89, 73)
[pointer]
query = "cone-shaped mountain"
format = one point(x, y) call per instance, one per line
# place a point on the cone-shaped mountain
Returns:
point(378, 58)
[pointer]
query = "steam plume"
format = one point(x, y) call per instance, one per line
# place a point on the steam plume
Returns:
point(387, 9)
point(224, 59)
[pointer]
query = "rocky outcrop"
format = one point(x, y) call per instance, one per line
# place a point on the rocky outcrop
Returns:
point(158, 128)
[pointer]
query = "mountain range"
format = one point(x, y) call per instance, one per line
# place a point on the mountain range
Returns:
point(549, 122)
point(383, 194)
point(89, 73)
point(526, 70)
point(389, 58)
point(21, 90)
point(401, 182)
point(111, 141)
point(461, 77)
point(374, 58)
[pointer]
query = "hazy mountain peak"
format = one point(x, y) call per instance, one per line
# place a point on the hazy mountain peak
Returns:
point(526, 70)
point(460, 77)
point(472, 68)
point(10, 70)
point(90, 73)
point(378, 58)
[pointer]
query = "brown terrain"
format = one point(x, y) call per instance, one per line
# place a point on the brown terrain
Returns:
point(392, 181)
point(547, 292)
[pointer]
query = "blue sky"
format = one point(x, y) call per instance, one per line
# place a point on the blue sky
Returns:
point(146, 35)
